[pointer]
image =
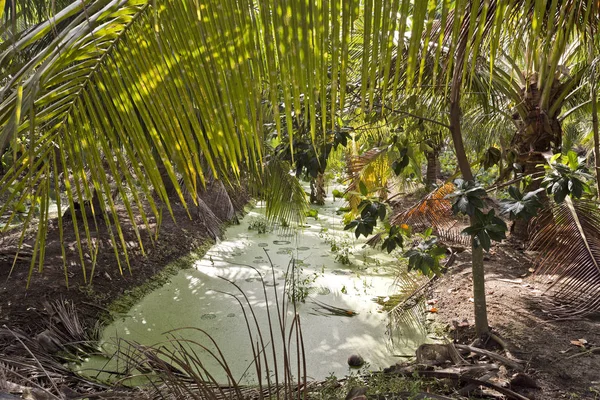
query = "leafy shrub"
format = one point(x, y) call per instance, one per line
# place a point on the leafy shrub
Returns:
point(260, 225)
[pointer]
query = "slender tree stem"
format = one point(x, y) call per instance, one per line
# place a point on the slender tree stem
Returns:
point(481, 322)
point(594, 100)
point(433, 121)
point(596, 136)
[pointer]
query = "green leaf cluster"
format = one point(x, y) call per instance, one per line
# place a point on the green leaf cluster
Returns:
point(566, 177)
point(370, 212)
point(487, 227)
point(521, 206)
point(426, 256)
point(401, 162)
point(491, 157)
point(395, 238)
point(337, 194)
point(468, 197)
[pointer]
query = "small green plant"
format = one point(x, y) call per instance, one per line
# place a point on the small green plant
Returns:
point(378, 385)
point(343, 210)
point(299, 283)
point(370, 211)
point(426, 255)
point(341, 248)
point(260, 225)
point(468, 197)
point(330, 389)
point(337, 194)
point(487, 227)
point(395, 237)
point(343, 256)
point(313, 213)
point(334, 247)
point(468, 200)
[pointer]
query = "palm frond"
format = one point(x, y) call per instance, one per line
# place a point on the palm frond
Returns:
point(357, 164)
point(372, 168)
point(283, 193)
point(567, 239)
point(434, 210)
point(40, 362)
point(104, 92)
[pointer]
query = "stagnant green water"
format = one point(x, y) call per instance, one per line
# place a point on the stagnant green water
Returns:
point(197, 297)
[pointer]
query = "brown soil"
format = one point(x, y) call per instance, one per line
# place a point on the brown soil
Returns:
point(518, 313)
point(22, 307)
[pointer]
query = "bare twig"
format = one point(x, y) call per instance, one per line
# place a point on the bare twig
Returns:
point(467, 379)
point(514, 364)
point(593, 350)
point(433, 121)
point(503, 344)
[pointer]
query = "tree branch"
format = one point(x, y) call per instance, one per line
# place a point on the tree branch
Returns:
point(433, 121)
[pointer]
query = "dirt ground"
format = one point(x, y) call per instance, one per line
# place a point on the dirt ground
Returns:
point(516, 302)
point(518, 312)
point(22, 308)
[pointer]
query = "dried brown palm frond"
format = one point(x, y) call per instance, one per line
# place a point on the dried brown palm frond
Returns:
point(453, 235)
point(434, 210)
point(239, 195)
point(375, 239)
point(567, 238)
point(357, 164)
point(65, 326)
point(200, 211)
point(207, 218)
point(406, 308)
point(37, 364)
point(397, 186)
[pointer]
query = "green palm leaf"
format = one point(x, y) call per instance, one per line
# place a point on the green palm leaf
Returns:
point(284, 196)
point(106, 91)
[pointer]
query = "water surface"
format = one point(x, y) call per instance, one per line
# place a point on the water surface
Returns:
point(199, 297)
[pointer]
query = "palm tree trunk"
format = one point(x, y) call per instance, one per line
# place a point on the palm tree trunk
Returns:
point(596, 137)
point(433, 168)
point(481, 321)
point(538, 133)
point(520, 228)
point(317, 189)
